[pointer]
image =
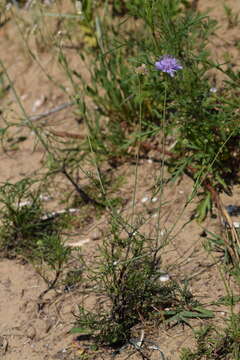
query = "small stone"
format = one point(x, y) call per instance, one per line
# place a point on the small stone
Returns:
point(144, 199)
point(236, 224)
point(79, 243)
point(154, 199)
point(45, 197)
point(24, 203)
point(164, 278)
point(38, 103)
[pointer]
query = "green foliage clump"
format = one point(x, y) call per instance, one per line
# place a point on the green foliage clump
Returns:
point(126, 89)
point(128, 278)
point(25, 228)
point(216, 345)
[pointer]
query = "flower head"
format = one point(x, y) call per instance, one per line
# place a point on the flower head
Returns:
point(213, 90)
point(168, 64)
point(142, 70)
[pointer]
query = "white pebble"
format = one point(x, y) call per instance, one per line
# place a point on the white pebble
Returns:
point(79, 243)
point(38, 103)
point(24, 203)
point(236, 224)
point(164, 278)
point(45, 197)
point(145, 199)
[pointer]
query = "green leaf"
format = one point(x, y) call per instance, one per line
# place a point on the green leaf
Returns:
point(196, 314)
point(2, 131)
point(206, 312)
point(203, 207)
point(79, 330)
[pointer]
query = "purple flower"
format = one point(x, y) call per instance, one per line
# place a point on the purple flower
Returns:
point(213, 90)
point(168, 64)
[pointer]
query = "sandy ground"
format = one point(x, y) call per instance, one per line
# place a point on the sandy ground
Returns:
point(29, 334)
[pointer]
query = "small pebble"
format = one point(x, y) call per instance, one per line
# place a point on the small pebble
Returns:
point(164, 278)
point(24, 203)
point(72, 210)
point(145, 199)
point(38, 103)
point(155, 199)
point(236, 224)
point(45, 197)
point(79, 243)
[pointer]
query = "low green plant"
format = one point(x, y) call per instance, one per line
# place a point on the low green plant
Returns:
point(128, 278)
point(27, 231)
point(186, 107)
point(226, 246)
point(127, 101)
point(232, 16)
point(213, 344)
point(51, 256)
point(24, 223)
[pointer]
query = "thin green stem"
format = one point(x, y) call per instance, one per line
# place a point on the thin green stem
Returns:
point(162, 165)
point(137, 155)
point(26, 117)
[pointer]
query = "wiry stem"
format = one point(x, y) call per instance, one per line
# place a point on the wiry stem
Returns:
point(85, 197)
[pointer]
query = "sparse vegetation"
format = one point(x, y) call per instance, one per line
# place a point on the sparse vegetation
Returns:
point(140, 83)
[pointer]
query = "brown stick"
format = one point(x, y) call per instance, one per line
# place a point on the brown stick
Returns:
point(65, 134)
point(50, 112)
